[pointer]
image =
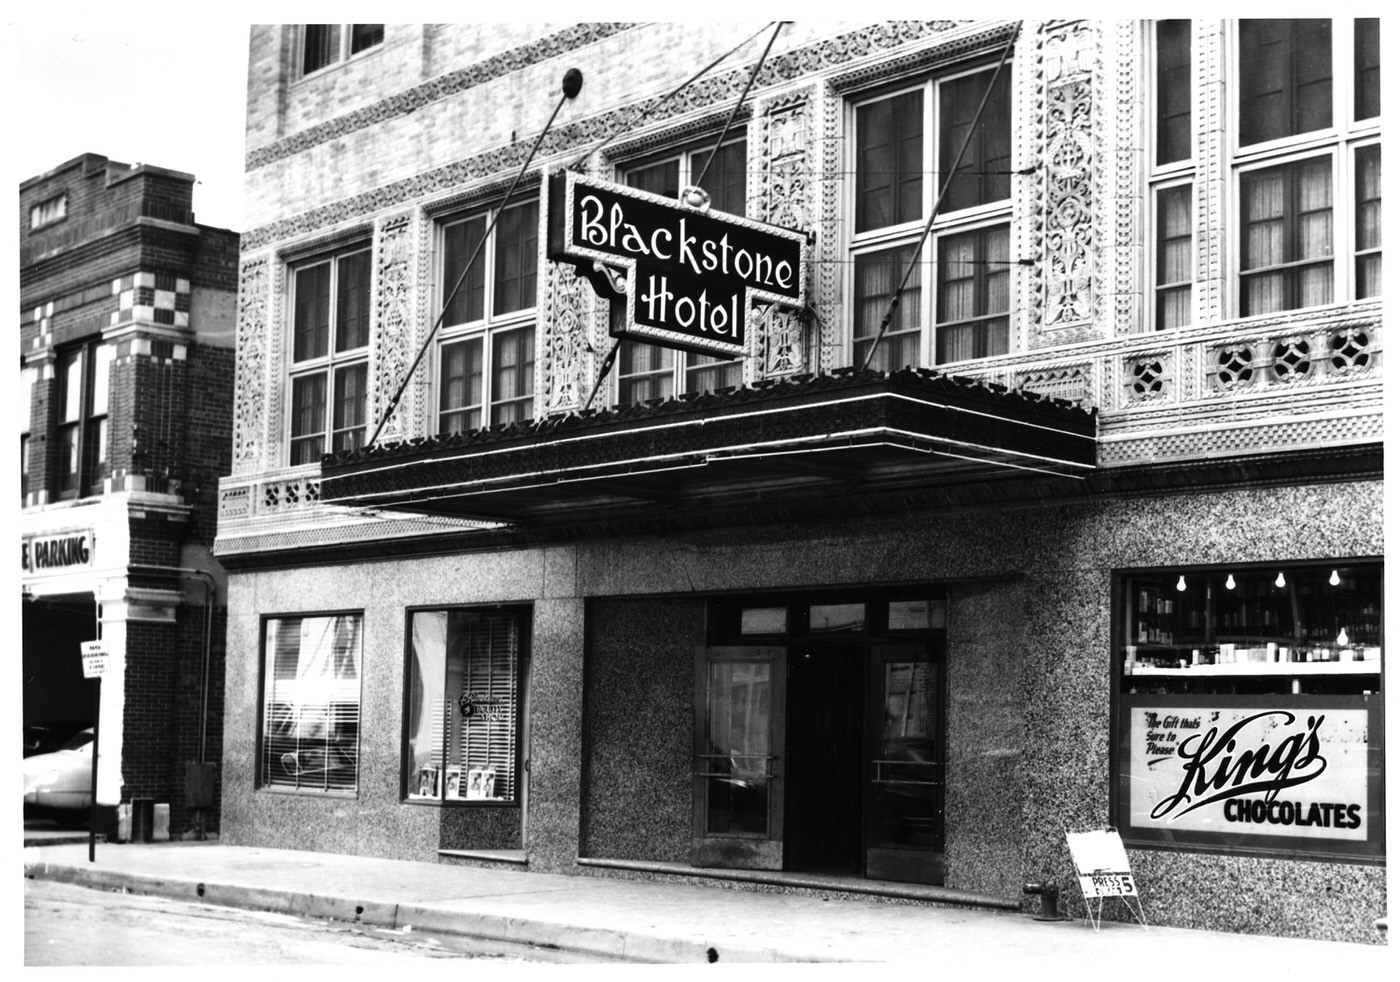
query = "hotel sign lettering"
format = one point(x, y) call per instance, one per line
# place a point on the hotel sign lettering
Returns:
point(688, 276)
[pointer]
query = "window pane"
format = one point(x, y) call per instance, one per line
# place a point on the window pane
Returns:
point(517, 239)
point(308, 418)
point(1175, 259)
point(1368, 221)
point(974, 294)
point(349, 417)
point(740, 722)
point(102, 356)
point(707, 373)
point(662, 178)
point(877, 274)
point(311, 703)
point(513, 375)
point(459, 388)
point(1287, 220)
point(1368, 67)
point(70, 385)
point(311, 316)
point(909, 781)
point(320, 47)
point(352, 302)
point(364, 36)
point(1173, 90)
point(463, 704)
point(983, 176)
point(1285, 78)
point(917, 615)
point(67, 438)
point(889, 161)
point(459, 244)
point(644, 372)
point(763, 620)
point(836, 617)
point(725, 178)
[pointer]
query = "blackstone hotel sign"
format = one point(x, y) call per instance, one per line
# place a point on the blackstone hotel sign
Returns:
point(688, 275)
point(1298, 773)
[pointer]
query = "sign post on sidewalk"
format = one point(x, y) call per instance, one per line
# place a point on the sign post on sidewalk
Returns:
point(94, 667)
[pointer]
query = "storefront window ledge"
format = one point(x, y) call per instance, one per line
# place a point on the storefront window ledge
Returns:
point(806, 881)
point(516, 857)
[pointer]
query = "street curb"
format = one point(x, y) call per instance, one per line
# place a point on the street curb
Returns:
point(600, 942)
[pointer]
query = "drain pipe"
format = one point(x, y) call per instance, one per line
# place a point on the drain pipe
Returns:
point(210, 590)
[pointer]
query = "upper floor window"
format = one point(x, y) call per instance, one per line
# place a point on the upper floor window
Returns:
point(330, 354)
point(326, 44)
point(1308, 163)
point(48, 211)
point(83, 374)
point(957, 306)
point(1173, 90)
point(27, 377)
point(648, 371)
point(486, 358)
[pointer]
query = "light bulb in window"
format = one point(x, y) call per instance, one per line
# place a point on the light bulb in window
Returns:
point(1280, 582)
point(1334, 579)
point(1230, 581)
point(1342, 638)
point(1181, 582)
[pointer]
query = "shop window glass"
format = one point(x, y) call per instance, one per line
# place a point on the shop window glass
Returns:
point(463, 706)
point(311, 703)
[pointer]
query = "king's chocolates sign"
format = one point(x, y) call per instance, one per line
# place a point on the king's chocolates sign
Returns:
point(688, 276)
point(1273, 772)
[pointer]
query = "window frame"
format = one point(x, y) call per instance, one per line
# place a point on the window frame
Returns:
point(262, 782)
point(490, 327)
point(1339, 142)
point(334, 362)
point(410, 770)
point(343, 44)
point(50, 211)
point(88, 424)
point(978, 216)
point(676, 366)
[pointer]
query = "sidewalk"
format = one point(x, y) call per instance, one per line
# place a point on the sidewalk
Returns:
point(635, 921)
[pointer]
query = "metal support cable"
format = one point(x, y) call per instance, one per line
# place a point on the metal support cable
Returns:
point(663, 100)
point(573, 81)
point(947, 183)
point(699, 181)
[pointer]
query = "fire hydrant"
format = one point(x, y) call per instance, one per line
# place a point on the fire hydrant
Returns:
point(1049, 893)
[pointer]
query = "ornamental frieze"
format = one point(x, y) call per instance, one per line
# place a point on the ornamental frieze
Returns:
point(251, 368)
point(393, 323)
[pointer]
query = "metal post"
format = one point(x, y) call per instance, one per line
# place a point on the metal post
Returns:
point(96, 731)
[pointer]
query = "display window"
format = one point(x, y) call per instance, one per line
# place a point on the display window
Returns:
point(463, 713)
point(1250, 709)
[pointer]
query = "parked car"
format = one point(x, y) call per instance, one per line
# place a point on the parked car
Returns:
point(60, 782)
point(46, 737)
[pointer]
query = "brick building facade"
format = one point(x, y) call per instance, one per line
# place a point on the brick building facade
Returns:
point(126, 353)
point(891, 596)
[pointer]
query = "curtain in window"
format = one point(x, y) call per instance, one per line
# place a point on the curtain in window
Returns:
point(517, 238)
point(877, 275)
point(644, 372)
point(320, 47)
point(706, 373)
point(1175, 260)
point(1287, 222)
point(308, 417)
point(349, 407)
point(459, 394)
point(974, 271)
point(311, 712)
point(427, 736)
point(513, 375)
